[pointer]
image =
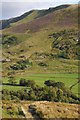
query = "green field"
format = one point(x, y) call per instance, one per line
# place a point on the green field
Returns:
point(41, 45)
point(13, 88)
point(68, 79)
point(47, 40)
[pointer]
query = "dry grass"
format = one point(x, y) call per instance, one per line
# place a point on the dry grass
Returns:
point(44, 108)
point(57, 110)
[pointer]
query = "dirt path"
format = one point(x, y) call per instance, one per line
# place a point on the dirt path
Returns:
point(26, 112)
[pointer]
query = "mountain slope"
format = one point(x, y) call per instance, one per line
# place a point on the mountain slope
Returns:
point(60, 19)
point(44, 45)
point(6, 23)
point(43, 40)
point(40, 13)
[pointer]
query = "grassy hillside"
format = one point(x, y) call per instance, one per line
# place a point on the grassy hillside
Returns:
point(60, 18)
point(6, 23)
point(29, 16)
point(41, 45)
point(49, 43)
point(36, 110)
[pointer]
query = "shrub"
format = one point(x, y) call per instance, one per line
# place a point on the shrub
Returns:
point(65, 42)
point(42, 64)
point(21, 65)
point(9, 41)
point(20, 112)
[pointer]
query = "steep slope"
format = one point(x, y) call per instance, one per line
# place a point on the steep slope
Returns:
point(39, 13)
point(43, 40)
point(63, 18)
point(41, 46)
point(6, 23)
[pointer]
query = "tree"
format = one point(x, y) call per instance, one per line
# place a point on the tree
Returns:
point(22, 82)
point(30, 83)
point(60, 85)
point(42, 64)
point(49, 82)
point(49, 93)
point(59, 95)
point(12, 80)
point(31, 95)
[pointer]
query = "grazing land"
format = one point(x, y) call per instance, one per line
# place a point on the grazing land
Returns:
point(40, 60)
point(68, 79)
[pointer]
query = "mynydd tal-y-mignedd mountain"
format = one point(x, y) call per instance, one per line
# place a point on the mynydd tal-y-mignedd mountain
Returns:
point(42, 45)
point(47, 36)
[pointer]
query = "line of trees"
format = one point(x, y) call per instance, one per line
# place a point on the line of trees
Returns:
point(51, 91)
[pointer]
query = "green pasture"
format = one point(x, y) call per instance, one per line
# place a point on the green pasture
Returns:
point(13, 88)
point(67, 79)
